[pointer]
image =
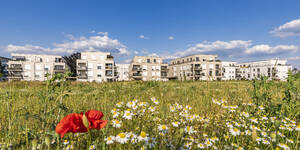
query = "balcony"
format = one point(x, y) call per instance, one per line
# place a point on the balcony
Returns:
point(82, 68)
point(15, 68)
point(15, 76)
point(82, 76)
point(137, 75)
point(108, 67)
point(59, 68)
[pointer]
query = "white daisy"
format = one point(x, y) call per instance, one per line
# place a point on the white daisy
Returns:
point(109, 140)
point(175, 124)
point(189, 130)
point(235, 131)
point(127, 115)
point(143, 136)
point(117, 123)
point(122, 138)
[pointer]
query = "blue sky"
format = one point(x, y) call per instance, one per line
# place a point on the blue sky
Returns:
point(237, 30)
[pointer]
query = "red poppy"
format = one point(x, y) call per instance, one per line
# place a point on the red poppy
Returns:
point(74, 123)
point(94, 118)
point(70, 123)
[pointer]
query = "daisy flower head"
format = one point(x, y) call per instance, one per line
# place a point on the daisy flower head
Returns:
point(128, 115)
point(109, 140)
point(154, 100)
point(235, 131)
point(66, 142)
point(122, 138)
point(208, 143)
point(130, 104)
point(284, 146)
point(252, 119)
point(201, 146)
point(189, 130)
point(163, 128)
point(143, 136)
point(119, 104)
point(297, 128)
point(92, 147)
point(116, 123)
point(175, 124)
point(115, 114)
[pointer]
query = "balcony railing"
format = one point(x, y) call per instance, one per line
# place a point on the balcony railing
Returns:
point(15, 76)
point(108, 67)
point(15, 68)
point(81, 68)
point(82, 77)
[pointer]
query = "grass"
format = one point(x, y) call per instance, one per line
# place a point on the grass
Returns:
point(30, 111)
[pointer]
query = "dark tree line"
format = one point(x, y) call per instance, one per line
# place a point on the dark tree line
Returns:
point(71, 62)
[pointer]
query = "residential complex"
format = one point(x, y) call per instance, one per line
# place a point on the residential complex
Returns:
point(229, 70)
point(96, 66)
point(122, 72)
point(100, 67)
point(196, 67)
point(148, 68)
point(32, 67)
point(273, 69)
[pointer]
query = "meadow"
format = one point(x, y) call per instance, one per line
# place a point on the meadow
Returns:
point(258, 114)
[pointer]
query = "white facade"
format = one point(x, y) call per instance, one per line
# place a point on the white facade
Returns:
point(229, 70)
point(32, 67)
point(273, 69)
point(122, 72)
point(96, 66)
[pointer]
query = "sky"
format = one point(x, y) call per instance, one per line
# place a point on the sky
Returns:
point(235, 30)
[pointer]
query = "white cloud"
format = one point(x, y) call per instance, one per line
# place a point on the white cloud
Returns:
point(103, 33)
point(93, 31)
point(93, 43)
point(143, 37)
point(291, 28)
point(294, 58)
point(235, 48)
point(171, 38)
point(205, 47)
point(271, 50)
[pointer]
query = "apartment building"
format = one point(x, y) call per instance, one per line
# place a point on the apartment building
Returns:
point(196, 67)
point(33, 67)
point(96, 66)
point(3, 61)
point(148, 68)
point(273, 69)
point(229, 70)
point(122, 72)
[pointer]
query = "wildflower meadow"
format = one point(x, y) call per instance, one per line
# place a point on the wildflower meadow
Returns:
point(59, 114)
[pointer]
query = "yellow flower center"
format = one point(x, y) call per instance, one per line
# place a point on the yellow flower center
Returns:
point(143, 134)
point(122, 135)
point(235, 130)
point(164, 127)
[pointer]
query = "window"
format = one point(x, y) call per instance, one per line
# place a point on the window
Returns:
point(145, 73)
point(27, 67)
point(98, 75)
point(197, 59)
point(154, 60)
point(90, 65)
point(145, 67)
point(90, 73)
point(38, 67)
point(148, 60)
point(99, 67)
